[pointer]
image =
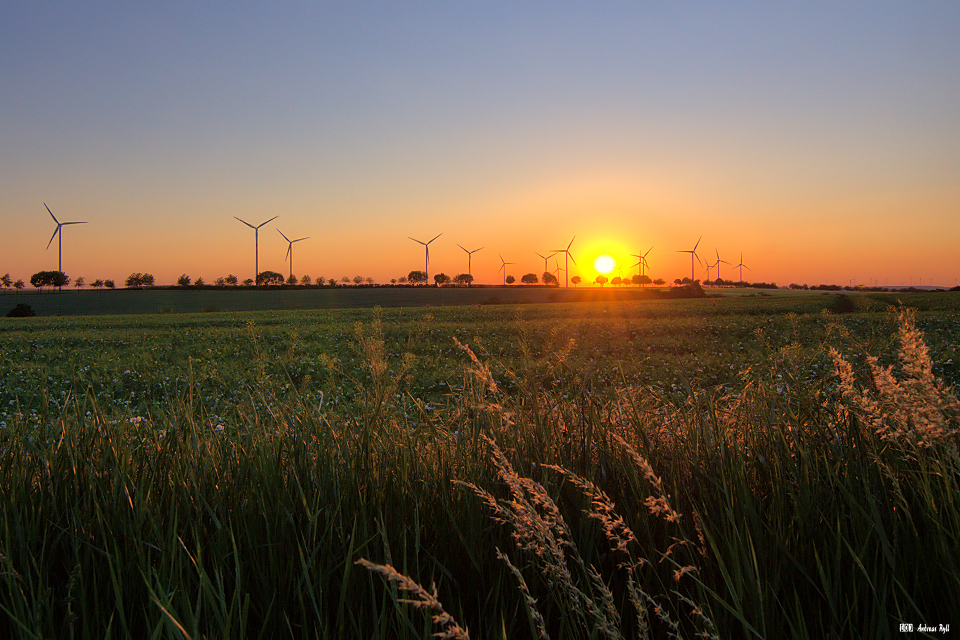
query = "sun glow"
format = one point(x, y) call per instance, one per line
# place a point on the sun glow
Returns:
point(604, 264)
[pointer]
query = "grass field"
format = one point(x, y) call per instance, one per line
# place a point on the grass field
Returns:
point(621, 468)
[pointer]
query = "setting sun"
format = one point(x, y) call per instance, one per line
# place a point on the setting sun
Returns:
point(604, 264)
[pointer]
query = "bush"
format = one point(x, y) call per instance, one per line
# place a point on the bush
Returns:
point(21, 311)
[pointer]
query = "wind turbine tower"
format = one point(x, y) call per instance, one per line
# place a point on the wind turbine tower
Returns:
point(57, 231)
point(503, 267)
point(469, 256)
point(256, 245)
point(290, 248)
point(426, 246)
point(693, 254)
point(569, 257)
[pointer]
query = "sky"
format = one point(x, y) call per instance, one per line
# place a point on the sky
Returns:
point(820, 141)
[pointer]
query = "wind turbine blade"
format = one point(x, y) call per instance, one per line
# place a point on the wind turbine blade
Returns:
point(698, 243)
point(435, 237)
point(263, 223)
point(246, 223)
point(572, 258)
point(64, 223)
point(284, 235)
point(51, 214)
point(299, 239)
point(461, 246)
point(415, 240)
point(289, 251)
point(648, 252)
point(53, 236)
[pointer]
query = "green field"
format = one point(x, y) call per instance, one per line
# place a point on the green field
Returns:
point(614, 467)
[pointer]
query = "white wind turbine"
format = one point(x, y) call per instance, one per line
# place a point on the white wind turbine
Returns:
point(426, 246)
point(693, 254)
point(256, 245)
point(717, 263)
point(290, 248)
point(567, 264)
point(503, 267)
point(57, 231)
point(741, 266)
point(469, 256)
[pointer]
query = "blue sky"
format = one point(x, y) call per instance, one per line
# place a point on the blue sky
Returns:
point(822, 140)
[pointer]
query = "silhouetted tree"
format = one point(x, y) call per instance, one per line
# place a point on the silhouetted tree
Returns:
point(96, 284)
point(529, 278)
point(248, 282)
point(511, 279)
point(79, 282)
point(220, 282)
point(5, 280)
point(49, 279)
point(22, 310)
point(601, 280)
point(575, 280)
point(441, 279)
point(616, 280)
point(357, 279)
point(417, 277)
point(199, 282)
point(332, 282)
point(319, 281)
point(369, 280)
point(231, 280)
point(267, 278)
point(18, 285)
point(183, 280)
point(109, 284)
point(463, 279)
point(291, 279)
point(305, 280)
point(659, 282)
point(402, 280)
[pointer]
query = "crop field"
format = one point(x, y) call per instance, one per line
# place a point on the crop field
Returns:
point(614, 468)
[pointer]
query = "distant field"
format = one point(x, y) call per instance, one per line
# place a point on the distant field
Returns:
point(151, 301)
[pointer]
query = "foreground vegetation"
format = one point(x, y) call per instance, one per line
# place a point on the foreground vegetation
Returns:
point(604, 470)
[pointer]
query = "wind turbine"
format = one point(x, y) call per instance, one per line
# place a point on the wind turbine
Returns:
point(741, 266)
point(503, 267)
point(469, 256)
point(642, 262)
point(426, 246)
point(569, 258)
point(256, 245)
point(545, 258)
point(60, 225)
point(717, 264)
point(290, 248)
point(693, 254)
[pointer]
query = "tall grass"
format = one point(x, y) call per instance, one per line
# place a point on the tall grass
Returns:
point(791, 505)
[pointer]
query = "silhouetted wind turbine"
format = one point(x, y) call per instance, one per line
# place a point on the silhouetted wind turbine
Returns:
point(642, 262)
point(503, 267)
point(290, 248)
point(256, 245)
point(693, 254)
point(741, 266)
point(426, 246)
point(60, 240)
point(545, 258)
point(717, 264)
point(469, 256)
point(566, 270)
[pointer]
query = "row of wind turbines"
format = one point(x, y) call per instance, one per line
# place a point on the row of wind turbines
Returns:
point(641, 263)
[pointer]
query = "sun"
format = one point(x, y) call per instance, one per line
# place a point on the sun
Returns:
point(604, 264)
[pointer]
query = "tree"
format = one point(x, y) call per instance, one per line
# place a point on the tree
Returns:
point(306, 280)
point(332, 282)
point(659, 282)
point(248, 282)
point(148, 280)
point(231, 280)
point(18, 285)
point(49, 279)
point(678, 281)
point(5, 280)
point(369, 280)
point(402, 280)
point(601, 280)
point(550, 279)
point(319, 281)
point(199, 281)
point(292, 279)
point(79, 282)
point(575, 280)
point(183, 280)
point(267, 278)
point(511, 279)
point(417, 277)
point(109, 284)
point(393, 281)
point(357, 279)
point(529, 278)
point(463, 279)
point(617, 280)
point(134, 280)
point(220, 282)
point(96, 284)
point(441, 279)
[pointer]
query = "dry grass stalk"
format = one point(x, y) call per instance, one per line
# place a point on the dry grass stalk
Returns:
point(423, 599)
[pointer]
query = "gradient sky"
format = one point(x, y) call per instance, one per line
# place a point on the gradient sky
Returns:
point(820, 139)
